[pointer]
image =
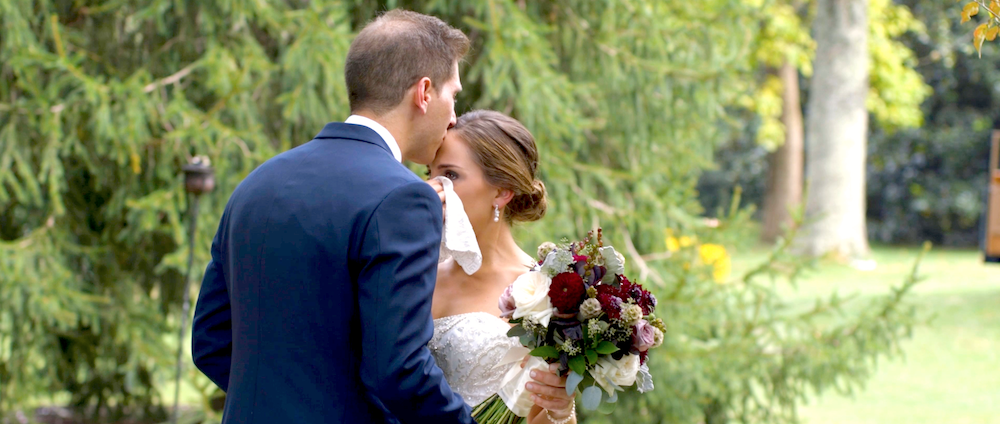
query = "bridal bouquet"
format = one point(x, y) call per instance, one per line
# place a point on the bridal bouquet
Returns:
point(578, 309)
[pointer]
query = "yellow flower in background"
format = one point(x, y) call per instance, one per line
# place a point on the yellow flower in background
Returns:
point(711, 252)
point(676, 243)
point(723, 267)
point(673, 244)
point(716, 256)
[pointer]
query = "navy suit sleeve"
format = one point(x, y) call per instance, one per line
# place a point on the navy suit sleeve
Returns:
point(212, 332)
point(399, 256)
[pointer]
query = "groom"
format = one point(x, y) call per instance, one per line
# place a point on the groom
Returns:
point(316, 307)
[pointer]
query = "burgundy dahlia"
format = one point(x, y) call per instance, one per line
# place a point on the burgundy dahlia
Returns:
point(607, 289)
point(567, 292)
point(610, 303)
point(647, 302)
point(628, 289)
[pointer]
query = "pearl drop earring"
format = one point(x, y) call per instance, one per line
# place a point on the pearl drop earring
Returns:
point(496, 213)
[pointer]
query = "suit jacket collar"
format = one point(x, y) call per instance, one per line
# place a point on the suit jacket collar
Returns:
point(353, 132)
point(382, 132)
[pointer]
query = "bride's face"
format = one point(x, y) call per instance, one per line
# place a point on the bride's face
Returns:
point(454, 161)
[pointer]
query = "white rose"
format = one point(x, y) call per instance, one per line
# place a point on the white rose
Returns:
point(621, 372)
point(614, 262)
point(531, 297)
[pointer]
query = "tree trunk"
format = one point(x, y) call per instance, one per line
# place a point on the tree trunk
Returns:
point(784, 177)
point(836, 131)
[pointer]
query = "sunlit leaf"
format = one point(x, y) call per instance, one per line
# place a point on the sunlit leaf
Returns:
point(978, 36)
point(991, 34)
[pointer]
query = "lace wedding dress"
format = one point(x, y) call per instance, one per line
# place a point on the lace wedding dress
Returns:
point(472, 350)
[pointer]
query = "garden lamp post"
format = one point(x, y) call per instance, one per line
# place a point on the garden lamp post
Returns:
point(199, 178)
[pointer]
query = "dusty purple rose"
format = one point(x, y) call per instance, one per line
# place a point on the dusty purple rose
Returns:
point(643, 336)
point(506, 303)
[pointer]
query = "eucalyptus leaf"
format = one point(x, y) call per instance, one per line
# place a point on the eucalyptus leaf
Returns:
point(572, 381)
point(517, 331)
point(591, 398)
point(527, 339)
point(607, 407)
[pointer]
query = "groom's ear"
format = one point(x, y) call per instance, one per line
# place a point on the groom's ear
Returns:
point(422, 94)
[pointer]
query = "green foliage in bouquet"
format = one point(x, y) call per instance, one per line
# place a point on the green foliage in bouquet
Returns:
point(600, 320)
point(580, 311)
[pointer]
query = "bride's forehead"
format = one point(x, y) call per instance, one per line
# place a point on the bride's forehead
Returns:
point(453, 147)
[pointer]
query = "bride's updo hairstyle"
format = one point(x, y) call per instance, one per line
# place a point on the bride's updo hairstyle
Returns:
point(505, 150)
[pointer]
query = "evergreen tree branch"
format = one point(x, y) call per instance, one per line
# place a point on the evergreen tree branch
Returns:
point(170, 80)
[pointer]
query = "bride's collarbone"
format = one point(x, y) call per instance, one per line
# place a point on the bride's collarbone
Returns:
point(482, 279)
point(459, 293)
point(461, 281)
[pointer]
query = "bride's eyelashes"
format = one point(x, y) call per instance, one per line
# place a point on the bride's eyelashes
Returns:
point(451, 175)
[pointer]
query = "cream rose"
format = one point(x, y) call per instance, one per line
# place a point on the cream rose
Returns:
point(614, 262)
point(531, 297)
point(621, 372)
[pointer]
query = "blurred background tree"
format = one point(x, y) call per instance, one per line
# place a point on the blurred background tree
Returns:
point(925, 182)
point(101, 102)
point(785, 48)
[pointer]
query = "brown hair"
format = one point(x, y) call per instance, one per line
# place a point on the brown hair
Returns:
point(395, 51)
point(508, 156)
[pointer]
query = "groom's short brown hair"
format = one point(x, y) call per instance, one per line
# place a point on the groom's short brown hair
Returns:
point(395, 51)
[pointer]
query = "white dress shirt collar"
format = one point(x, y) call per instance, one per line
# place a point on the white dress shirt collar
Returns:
point(382, 132)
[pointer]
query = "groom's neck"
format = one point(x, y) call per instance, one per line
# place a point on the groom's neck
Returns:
point(394, 122)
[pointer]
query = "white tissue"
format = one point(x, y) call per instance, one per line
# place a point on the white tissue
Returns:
point(458, 240)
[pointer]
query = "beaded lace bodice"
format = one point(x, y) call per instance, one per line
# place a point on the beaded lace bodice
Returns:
point(468, 348)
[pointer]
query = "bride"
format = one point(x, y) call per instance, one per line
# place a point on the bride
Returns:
point(491, 160)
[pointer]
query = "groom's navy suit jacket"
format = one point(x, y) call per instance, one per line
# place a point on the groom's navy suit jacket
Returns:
point(316, 307)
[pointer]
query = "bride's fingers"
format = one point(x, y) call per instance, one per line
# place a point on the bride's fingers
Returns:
point(551, 404)
point(547, 391)
point(548, 378)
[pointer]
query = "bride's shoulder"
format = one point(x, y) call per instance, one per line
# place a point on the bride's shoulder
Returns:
point(525, 265)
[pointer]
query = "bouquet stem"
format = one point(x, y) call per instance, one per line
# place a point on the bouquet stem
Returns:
point(494, 411)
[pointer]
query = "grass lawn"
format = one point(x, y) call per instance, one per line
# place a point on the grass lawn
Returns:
point(951, 369)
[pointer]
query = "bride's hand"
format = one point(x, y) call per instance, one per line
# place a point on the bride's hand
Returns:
point(439, 188)
point(550, 392)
